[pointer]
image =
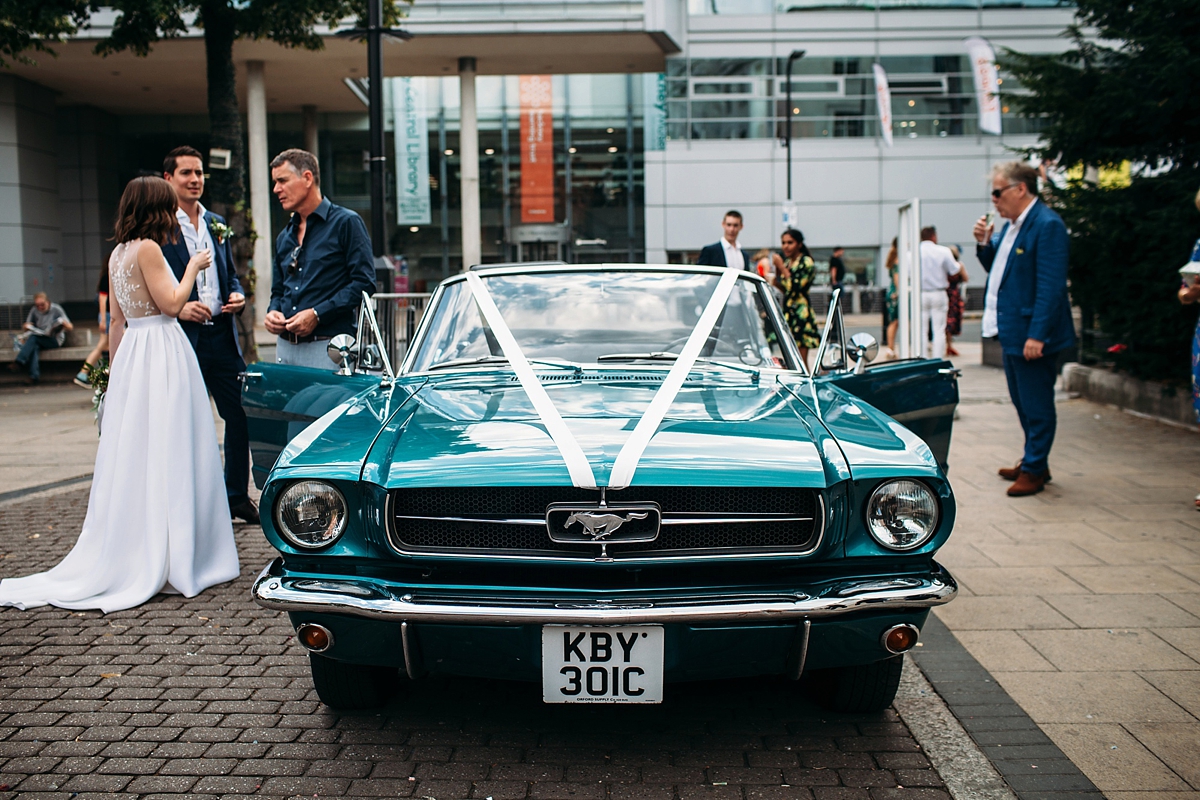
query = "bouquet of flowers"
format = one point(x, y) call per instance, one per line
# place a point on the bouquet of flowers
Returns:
point(98, 379)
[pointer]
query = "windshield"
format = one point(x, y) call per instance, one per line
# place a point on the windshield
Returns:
point(601, 317)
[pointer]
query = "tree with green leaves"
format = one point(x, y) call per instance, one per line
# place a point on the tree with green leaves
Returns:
point(33, 26)
point(1121, 98)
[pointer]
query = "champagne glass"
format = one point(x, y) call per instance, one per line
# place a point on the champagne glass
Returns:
point(206, 291)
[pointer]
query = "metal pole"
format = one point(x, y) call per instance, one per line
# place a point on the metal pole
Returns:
point(630, 225)
point(568, 216)
point(506, 210)
point(795, 55)
point(442, 191)
point(375, 95)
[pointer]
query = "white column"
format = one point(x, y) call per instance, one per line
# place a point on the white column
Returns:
point(468, 142)
point(309, 116)
point(260, 184)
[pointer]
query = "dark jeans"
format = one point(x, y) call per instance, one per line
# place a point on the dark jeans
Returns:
point(28, 357)
point(1031, 386)
point(216, 350)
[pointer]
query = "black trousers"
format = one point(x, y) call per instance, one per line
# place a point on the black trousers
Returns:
point(216, 349)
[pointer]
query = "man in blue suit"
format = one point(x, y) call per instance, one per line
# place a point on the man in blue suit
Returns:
point(1027, 307)
point(728, 252)
point(209, 320)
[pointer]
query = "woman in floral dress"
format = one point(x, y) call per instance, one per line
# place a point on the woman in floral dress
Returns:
point(1189, 293)
point(795, 277)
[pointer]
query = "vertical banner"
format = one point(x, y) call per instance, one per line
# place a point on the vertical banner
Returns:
point(987, 85)
point(654, 110)
point(883, 94)
point(537, 149)
point(411, 127)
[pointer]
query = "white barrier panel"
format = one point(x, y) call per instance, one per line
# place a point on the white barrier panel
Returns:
point(910, 339)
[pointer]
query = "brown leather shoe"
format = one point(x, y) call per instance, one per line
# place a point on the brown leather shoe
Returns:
point(1012, 473)
point(1026, 484)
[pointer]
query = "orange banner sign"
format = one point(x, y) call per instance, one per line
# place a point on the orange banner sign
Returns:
point(537, 149)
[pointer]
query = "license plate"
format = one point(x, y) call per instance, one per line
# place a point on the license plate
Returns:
point(619, 664)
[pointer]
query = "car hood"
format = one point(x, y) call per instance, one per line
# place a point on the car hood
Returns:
point(483, 431)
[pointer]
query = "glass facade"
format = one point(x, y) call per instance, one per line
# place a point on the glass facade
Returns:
point(745, 98)
point(708, 7)
point(596, 145)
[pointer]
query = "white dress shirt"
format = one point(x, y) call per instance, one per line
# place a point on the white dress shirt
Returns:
point(937, 265)
point(194, 239)
point(733, 254)
point(206, 286)
point(990, 326)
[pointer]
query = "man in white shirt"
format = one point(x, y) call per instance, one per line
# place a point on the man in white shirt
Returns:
point(208, 317)
point(728, 252)
point(937, 267)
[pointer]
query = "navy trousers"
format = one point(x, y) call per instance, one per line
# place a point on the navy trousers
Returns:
point(28, 357)
point(216, 350)
point(1031, 387)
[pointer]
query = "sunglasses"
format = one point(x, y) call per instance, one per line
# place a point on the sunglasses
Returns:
point(997, 192)
point(295, 259)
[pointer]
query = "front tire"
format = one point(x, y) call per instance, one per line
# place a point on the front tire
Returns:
point(350, 687)
point(860, 689)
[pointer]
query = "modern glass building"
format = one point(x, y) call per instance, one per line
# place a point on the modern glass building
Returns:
point(655, 117)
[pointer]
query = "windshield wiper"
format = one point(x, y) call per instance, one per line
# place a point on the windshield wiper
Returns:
point(659, 356)
point(467, 362)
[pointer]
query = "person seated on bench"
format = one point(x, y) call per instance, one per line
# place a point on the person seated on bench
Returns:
point(46, 329)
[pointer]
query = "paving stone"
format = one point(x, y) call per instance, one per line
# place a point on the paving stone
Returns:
point(224, 707)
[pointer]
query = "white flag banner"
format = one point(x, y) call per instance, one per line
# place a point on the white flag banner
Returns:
point(987, 84)
point(411, 127)
point(883, 94)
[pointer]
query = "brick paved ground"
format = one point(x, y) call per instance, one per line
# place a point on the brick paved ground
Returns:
point(211, 697)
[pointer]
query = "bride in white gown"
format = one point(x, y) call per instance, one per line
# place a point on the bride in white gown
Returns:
point(157, 517)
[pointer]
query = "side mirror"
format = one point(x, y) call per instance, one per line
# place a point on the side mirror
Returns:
point(863, 349)
point(341, 352)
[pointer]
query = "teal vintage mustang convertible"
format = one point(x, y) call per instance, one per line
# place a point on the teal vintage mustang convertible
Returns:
point(606, 479)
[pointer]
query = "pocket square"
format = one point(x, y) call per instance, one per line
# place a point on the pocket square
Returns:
point(1020, 252)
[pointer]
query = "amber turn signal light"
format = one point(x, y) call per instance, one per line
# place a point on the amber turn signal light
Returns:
point(900, 638)
point(315, 638)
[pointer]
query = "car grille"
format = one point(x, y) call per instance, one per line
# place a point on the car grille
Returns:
point(696, 521)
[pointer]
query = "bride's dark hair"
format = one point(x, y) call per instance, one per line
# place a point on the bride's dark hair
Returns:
point(147, 211)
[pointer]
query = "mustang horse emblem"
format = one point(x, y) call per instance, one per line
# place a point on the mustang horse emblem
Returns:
point(599, 526)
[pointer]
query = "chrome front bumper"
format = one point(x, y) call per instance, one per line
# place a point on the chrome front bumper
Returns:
point(373, 599)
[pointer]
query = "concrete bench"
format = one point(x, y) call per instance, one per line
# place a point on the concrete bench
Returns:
point(78, 344)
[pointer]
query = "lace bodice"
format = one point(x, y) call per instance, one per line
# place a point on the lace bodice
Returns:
point(127, 284)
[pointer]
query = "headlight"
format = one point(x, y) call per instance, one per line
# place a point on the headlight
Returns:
point(902, 515)
point(311, 514)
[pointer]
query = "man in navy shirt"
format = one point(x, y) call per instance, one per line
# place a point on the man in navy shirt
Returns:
point(323, 264)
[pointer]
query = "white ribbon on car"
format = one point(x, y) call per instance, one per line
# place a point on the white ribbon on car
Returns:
point(577, 464)
point(630, 455)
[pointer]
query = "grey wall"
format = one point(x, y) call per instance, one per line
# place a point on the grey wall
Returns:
point(88, 190)
point(30, 235)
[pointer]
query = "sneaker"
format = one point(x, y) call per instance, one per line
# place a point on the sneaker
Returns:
point(81, 379)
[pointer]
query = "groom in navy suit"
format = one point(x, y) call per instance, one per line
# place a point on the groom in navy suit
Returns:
point(728, 252)
point(1028, 308)
point(213, 329)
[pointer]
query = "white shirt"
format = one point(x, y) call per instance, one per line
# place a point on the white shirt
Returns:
point(990, 326)
point(194, 239)
point(937, 265)
point(733, 254)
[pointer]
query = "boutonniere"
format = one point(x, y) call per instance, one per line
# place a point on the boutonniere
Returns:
point(1020, 252)
point(220, 230)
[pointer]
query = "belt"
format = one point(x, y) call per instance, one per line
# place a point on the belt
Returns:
point(294, 339)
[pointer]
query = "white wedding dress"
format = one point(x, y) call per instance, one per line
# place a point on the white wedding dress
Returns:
point(157, 517)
